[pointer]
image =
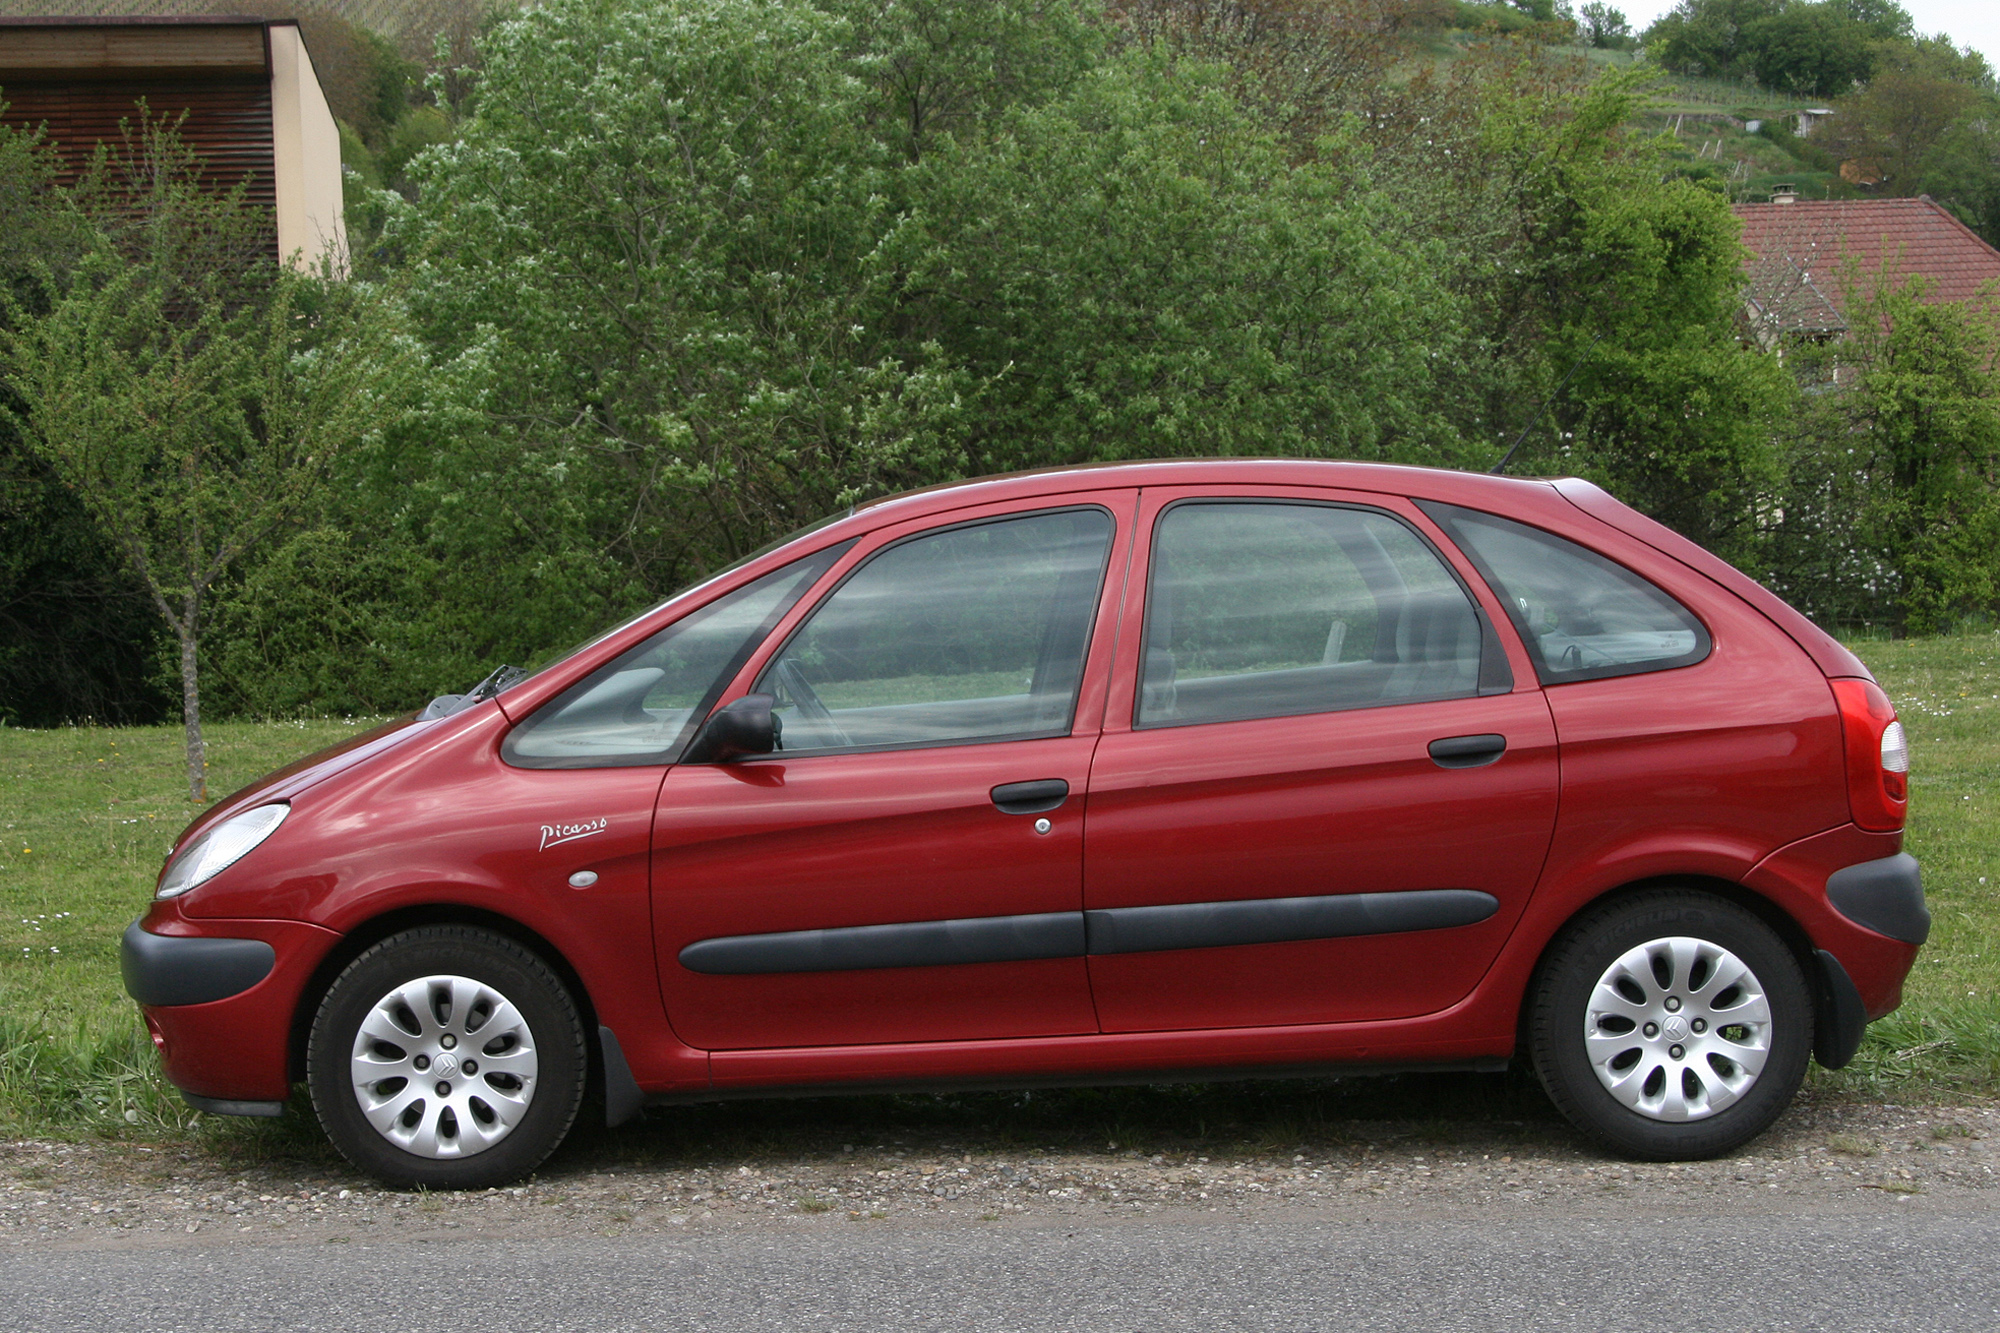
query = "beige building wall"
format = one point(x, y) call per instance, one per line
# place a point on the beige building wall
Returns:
point(311, 227)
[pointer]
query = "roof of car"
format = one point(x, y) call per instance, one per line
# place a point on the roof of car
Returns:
point(1388, 478)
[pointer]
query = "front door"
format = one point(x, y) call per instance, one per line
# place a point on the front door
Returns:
point(909, 866)
point(1323, 798)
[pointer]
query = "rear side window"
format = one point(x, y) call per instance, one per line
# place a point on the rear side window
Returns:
point(1272, 609)
point(644, 707)
point(970, 633)
point(1582, 616)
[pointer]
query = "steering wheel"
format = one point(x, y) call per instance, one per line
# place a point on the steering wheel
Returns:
point(809, 705)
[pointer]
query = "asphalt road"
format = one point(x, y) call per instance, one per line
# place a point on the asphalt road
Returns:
point(1885, 1265)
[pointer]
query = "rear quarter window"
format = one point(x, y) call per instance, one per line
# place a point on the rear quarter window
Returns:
point(1582, 615)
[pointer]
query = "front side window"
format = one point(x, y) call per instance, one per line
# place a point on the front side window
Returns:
point(644, 707)
point(1582, 616)
point(1268, 609)
point(972, 633)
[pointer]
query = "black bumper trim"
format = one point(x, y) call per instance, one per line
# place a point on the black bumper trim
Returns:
point(1886, 896)
point(223, 1106)
point(185, 969)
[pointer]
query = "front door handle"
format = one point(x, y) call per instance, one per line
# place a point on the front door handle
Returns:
point(1030, 798)
point(1467, 751)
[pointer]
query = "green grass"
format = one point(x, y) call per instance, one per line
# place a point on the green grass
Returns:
point(88, 813)
point(87, 816)
point(1947, 1034)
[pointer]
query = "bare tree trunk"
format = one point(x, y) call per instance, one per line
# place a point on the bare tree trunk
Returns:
point(197, 751)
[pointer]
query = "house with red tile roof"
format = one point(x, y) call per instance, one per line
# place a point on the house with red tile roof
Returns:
point(1806, 256)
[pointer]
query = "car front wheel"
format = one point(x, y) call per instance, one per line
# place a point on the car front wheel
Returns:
point(447, 1057)
point(1671, 1025)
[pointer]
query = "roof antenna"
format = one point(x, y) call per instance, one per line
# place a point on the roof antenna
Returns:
point(1575, 366)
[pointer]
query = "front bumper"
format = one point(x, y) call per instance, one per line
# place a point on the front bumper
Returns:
point(162, 970)
point(218, 997)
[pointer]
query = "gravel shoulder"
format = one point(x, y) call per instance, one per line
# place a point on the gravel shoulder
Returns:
point(1828, 1156)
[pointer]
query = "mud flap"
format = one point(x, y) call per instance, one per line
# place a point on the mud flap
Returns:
point(1839, 1016)
point(622, 1098)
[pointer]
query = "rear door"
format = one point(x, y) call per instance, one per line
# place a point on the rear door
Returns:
point(1326, 785)
point(909, 866)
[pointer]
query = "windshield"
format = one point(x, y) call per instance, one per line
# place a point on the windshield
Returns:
point(556, 659)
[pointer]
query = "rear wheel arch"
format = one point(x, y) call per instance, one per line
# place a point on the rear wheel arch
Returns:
point(1771, 913)
point(1756, 1068)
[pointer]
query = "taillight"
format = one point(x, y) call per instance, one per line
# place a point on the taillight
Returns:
point(1878, 755)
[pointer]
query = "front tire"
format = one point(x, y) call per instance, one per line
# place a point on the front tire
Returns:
point(447, 1057)
point(1671, 1025)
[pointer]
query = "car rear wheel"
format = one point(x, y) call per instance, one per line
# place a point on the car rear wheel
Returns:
point(447, 1057)
point(1672, 1025)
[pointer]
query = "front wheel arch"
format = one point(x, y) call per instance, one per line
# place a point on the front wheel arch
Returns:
point(373, 931)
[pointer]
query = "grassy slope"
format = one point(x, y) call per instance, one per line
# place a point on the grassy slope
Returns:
point(88, 813)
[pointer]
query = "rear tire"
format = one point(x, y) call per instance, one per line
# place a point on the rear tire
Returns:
point(1671, 1025)
point(447, 1057)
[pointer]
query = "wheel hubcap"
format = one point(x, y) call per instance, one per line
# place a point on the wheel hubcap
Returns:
point(1678, 1029)
point(444, 1066)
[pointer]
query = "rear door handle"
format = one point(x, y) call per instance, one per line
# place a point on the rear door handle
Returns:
point(1030, 798)
point(1467, 751)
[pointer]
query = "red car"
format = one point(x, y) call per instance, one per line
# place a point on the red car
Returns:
point(1181, 769)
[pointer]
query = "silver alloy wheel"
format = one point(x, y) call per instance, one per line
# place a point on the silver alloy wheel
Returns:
point(1678, 1028)
point(444, 1066)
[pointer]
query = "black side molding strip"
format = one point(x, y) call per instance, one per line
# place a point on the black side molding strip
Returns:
point(1277, 920)
point(977, 939)
point(1013, 939)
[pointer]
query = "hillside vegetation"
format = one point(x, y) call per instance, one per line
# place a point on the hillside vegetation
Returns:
point(640, 285)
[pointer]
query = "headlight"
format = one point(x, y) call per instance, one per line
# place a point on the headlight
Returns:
point(219, 848)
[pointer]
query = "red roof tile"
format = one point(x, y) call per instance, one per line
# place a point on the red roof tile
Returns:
point(1800, 251)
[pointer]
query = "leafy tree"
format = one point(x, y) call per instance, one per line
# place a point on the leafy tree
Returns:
point(1601, 26)
point(1708, 37)
point(1808, 49)
point(1885, 20)
point(1599, 288)
point(1134, 270)
point(1962, 171)
point(1894, 125)
point(1299, 64)
point(76, 634)
point(187, 390)
point(1893, 507)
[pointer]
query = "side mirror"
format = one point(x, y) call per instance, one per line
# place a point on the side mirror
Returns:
point(744, 727)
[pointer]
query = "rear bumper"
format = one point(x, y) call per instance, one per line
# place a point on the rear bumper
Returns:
point(1820, 880)
point(218, 997)
point(1885, 896)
